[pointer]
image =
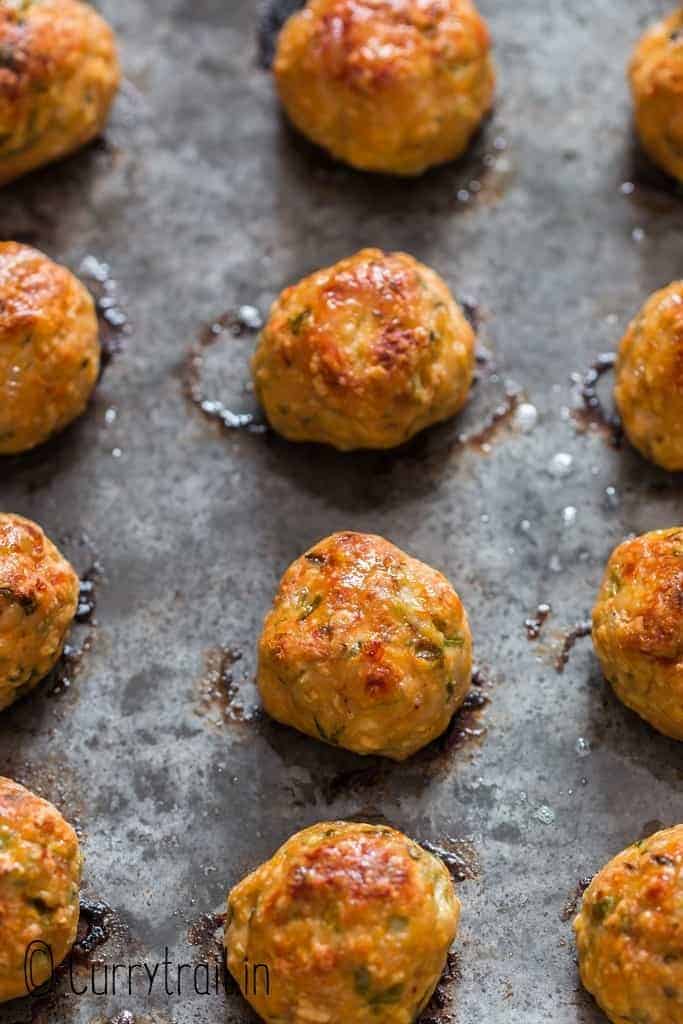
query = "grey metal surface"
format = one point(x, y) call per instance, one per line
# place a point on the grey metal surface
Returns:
point(202, 200)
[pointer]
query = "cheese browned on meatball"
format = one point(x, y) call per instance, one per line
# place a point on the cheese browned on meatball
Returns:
point(656, 75)
point(394, 86)
point(364, 354)
point(353, 923)
point(365, 648)
point(59, 72)
point(629, 933)
point(49, 347)
point(40, 874)
point(649, 381)
point(638, 627)
point(38, 601)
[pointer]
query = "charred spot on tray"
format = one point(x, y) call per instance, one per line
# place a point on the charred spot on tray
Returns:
point(578, 632)
point(235, 323)
point(459, 856)
point(94, 927)
point(273, 17)
point(465, 726)
point(571, 904)
point(474, 314)
point(81, 639)
point(220, 700)
point(654, 188)
point(592, 415)
point(354, 781)
point(534, 626)
point(441, 1004)
point(206, 933)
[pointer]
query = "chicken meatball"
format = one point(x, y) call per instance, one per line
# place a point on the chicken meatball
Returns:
point(649, 379)
point(638, 627)
point(40, 875)
point(38, 601)
point(364, 354)
point(394, 86)
point(59, 72)
point(365, 648)
point(657, 85)
point(347, 922)
point(629, 933)
point(49, 348)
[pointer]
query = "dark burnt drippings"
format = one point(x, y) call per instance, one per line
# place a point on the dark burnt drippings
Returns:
point(219, 693)
point(581, 630)
point(572, 902)
point(464, 726)
point(354, 781)
point(96, 918)
point(233, 323)
point(274, 14)
point(206, 933)
point(459, 856)
point(80, 642)
point(593, 414)
point(439, 1010)
point(501, 416)
point(534, 626)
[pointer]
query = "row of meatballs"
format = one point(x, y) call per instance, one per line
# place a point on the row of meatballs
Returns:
point(391, 86)
point(353, 921)
point(365, 647)
point(364, 354)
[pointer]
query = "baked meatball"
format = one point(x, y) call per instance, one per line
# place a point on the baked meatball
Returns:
point(394, 86)
point(364, 354)
point(657, 85)
point(638, 627)
point(49, 348)
point(40, 875)
point(38, 600)
point(365, 648)
point(59, 72)
point(629, 933)
point(649, 378)
point(352, 922)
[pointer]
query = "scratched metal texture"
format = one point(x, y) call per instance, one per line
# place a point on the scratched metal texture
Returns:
point(201, 200)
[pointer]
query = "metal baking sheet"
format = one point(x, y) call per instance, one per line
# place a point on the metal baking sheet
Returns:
point(200, 200)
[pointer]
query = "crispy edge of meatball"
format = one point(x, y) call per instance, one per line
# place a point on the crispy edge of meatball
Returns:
point(27, 592)
point(367, 978)
point(335, 391)
point(58, 79)
point(606, 913)
point(45, 300)
point(640, 647)
point(291, 631)
point(29, 821)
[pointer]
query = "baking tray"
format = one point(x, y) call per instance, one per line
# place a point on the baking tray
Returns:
point(200, 200)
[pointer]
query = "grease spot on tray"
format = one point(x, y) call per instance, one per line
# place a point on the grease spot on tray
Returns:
point(534, 625)
point(205, 386)
point(113, 319)
point(220, 699)
point(591, 414)
point(571, 904)
point(440, 1009)
point(206, 934)
point(459, 856)
point(81, 638)
point(576, 633)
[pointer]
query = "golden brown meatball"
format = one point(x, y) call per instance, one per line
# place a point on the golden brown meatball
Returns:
point(40, 875)
point(59, 72)
point(353, 923)
point(49, 348)
point(364, 354)
point(629, 933)
point(394, 86)
point(638, 627)
point(365, 648)
point(657, 84)
point(38, 600)
point(649, 378)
